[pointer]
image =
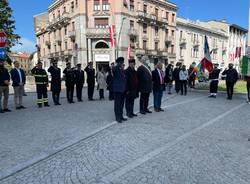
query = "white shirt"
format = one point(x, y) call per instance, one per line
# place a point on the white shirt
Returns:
point(20, 75)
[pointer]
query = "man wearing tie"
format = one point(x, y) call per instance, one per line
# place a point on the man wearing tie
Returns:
point(19, 78)
point(158, 86)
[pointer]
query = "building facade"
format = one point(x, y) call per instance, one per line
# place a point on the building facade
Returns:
point(77, 31)
point(23, 59)
point(191, 39)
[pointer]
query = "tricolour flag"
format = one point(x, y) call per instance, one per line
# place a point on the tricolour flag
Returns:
point(206, 61)
point(111, 35)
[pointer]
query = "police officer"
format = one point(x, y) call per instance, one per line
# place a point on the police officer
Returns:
point(69, 75)
point(131, 88)
point(214, 81)
point(119, 88)
point(90, 80)
point(41, 79)
point(79, 74)
point(55, 82)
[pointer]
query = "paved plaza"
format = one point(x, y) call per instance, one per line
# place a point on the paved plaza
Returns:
point(196, 140)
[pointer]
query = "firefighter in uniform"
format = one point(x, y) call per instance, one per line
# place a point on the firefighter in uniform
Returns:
point(41, 79)
point(214, 81)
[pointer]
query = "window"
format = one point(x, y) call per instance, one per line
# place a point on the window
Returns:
point(54, 16)
point(76, 3)
point(96, 5)
point(181, 34)
point(167, 15)
point(145, 7)
point(101, 22)
point(73, 26)
point(172, 49)
point(58, 14)
point(72, 6)
point(156, 45)
point(55, 48)
point(156, 31)
point(66, 45)
point(105, 5)
point(132, 24)
point(181, 51)
point(132, 43)
point(167, 32)
point(156, 12)
point(145, 27)
point(101, 45)
point(64, 9)
point(172, 33)
point(173, 18)
point(144, 45)
point(166, 46)
point(65, 30)
point(132, 5)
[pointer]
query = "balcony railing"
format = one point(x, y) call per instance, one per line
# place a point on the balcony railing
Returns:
point(140, 52)
point(133, 32)
point(60, 21)
point(196, 43)
point(183, 41)
point(97, 32)
point(169, 39)
point(72, 35)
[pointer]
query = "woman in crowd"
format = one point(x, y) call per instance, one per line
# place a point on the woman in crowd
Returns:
point(183, 75)
point(101, 82)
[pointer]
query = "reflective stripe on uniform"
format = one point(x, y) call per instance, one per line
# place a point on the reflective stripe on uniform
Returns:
point(45, 100)
point(40, 75)
point(41, 82)
point(39, 101)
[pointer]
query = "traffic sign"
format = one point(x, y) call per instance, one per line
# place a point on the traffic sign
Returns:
point(3, 39)
point(2, 53)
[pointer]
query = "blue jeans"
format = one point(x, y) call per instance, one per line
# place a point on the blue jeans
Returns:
point(157, 98)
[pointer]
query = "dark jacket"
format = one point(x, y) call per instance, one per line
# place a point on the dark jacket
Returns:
point(16, 78)
point(55, 79)
point(109, 81)
point(144, 79)
point(80, 77)
point(132, 82)
point(157, 86)
point(70, 77)
point(168, 75)
point(4, 75)
point(119, 82)
point(90, 75)
point(214, 74)
point(41, 76)
point(191, 74)
point(176, 73)
point(231, 75)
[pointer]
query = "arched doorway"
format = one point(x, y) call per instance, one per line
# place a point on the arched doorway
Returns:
point(102, 62)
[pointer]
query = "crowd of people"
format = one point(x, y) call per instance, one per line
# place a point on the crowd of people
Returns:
point(124, 84)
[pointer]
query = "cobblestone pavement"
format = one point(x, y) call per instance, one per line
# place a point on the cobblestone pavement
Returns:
point(196, 140)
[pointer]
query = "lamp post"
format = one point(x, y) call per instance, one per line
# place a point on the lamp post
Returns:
point(119, 36)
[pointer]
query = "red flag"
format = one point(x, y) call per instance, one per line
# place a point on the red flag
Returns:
point(111, 35)
point(129, 52)
point(207, 64)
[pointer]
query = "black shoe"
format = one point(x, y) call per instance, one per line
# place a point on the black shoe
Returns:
point(40, 106)
point(134, 115)
point(46, 105)
point(1, 111)
point(142, 112)
point(58, 104)
point(119, 121)
point(18, 108)
point(129, 116)
point(170, 93)
point(80, 100)
point(25, 94)
point(211, 96)
point(148, 111)
point(124, 119)
point(161, 110)
point(7, 110)
point(22, 107)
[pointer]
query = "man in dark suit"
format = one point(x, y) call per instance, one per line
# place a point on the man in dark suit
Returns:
point(69, 76)
point(144, 87)
point(90, 80)
point(158, 86)
point(176, 77)
point(80, 79)
point(119, 88)
point(19, 79)
point(131, 88)
point(55, 82)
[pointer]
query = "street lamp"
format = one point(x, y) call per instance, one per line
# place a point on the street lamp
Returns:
point(119, 36)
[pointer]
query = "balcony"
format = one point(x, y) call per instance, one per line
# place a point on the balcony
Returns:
point(72, 35)
point(183, 41)
point(48, 43)
point(140, 52)
point(97, 33)
point(196, 43)
point(59, 21)
point(151, 52)
point(163, 53)
point(133, 32)
point(58, 40)
point(169, 39)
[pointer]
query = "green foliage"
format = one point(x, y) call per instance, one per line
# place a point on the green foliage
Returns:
point(7, 24)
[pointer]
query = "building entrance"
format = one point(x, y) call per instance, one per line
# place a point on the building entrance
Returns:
point(104, 65)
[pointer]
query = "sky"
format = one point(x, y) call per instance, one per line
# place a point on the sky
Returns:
point(233, 11)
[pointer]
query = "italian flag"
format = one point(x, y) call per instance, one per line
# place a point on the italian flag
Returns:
point(245, 66)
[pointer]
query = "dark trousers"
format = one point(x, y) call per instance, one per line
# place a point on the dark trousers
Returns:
point(42, 95)
point(118, 105)
point(79, 91)
point(56, 97)
point(111, 95)
point(129, 105)
point(91, 88)
point(157, 98)
point(144, 98)
point(177, 86)
point(184, 87)
point(70, 92)
point(101, 93)
point(214, 86)
point(230, 89)
point(248, 91)
point(191, 83)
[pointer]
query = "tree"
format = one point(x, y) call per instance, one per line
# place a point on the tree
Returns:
point(7, 24)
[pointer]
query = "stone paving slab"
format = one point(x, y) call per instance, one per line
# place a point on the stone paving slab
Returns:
point(97, 157)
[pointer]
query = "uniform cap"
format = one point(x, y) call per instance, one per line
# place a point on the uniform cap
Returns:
point(120, 60)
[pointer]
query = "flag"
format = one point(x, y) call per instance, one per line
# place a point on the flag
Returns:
point(129, 52)
point(206, 62)
point(111, 35)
